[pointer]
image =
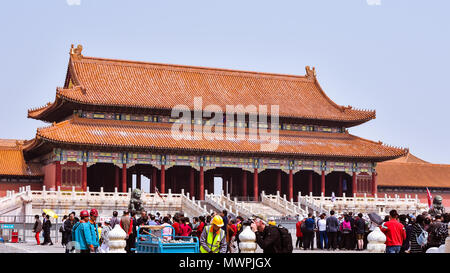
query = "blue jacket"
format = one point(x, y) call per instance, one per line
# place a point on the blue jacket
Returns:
point(80, 232)
point(93, 234)
point(309, 224)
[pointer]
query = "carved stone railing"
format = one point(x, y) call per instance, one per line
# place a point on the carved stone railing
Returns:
point(282, 204)
point(364, 203)
point(13, 200)
point(191, 207)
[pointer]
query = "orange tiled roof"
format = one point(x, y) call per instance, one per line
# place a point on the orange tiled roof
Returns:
point(12, 161)
point(411, 171)
point(122, 83)
point(158, 136)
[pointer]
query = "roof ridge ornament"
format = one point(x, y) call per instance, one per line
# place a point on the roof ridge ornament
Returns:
point(310, 73)
point(75, 52)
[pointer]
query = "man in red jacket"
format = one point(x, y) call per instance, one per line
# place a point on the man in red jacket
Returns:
point(395, 233)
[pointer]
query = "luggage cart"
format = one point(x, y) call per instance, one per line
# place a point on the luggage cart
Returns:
point(153, 242)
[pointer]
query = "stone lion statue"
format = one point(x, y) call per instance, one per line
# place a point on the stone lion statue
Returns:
point(438, 208)
point(135, 204)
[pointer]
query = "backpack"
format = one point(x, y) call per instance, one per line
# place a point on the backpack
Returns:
point(286, 240)
point(303, 227)
point(422, 239)
point(346, 227)
point(436, 234)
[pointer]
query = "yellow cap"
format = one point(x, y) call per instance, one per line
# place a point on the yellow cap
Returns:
point(217, 220)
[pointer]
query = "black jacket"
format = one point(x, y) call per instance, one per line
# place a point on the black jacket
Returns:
point(47, 225)
point(360, 226)
point(68, 225)
point(269, 240)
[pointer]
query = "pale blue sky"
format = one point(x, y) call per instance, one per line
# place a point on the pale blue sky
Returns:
point(392, 57)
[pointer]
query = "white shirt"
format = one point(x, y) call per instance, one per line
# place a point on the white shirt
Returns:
point(322, 223)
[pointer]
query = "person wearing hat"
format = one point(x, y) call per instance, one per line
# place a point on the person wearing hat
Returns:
point(213, 239)
point(267, 237)
point(104, 246)
point(81, 233)
point(93, 229)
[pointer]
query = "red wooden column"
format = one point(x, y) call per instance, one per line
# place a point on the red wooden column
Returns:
point(310, 182)
point(202, 184)
point(57, 174)
point(244, 183)
point(191, 183)
point(84, 176)
point(154, 182)
point(340, 185)
point(374, 183)
point(322, 184)
point(354, 183)
point(255, 185)
point(279, 181)
point(291, 185)
point(124, 177)
point(163, 178)
point(117, 178)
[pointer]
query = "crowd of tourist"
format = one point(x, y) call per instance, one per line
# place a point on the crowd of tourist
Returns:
point(404, 233)
point(219, 232)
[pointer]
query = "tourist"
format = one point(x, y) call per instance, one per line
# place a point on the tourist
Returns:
point(127, 225)
point(104, 245)
point(114, 220)
point(299, 234)
point(225, 220)
point(322, 227)
point(61, 230)
point(239, 221)
point(158, 218)
point(176, 225)
point(185, 228)
point(437, 232)
point(152, 221)
point(133, 235)
point(417, 229)
point(81, 234)
point(44, 218)
point(143, 220)
point(332, 229)
point(167, 232)
point(37, 228)
point(360, 226)
point(100, 229)
point(395, 233)
point(68, 225)
point(267, 237)
point(403, 218)
point(346, 230)
point(308, 233)
point(231, 236)
point(94, 238)
point(353, 232)
point(201, 226)
point(195, 224)
point(213, 239)
point(46, 226)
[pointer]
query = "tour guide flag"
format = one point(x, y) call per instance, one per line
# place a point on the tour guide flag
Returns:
point(429, 198)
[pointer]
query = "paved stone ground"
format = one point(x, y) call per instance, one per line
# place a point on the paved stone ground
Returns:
point(57, 248)
point(30, 248)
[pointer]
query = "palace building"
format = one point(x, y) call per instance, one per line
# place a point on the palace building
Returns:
point(112, 120)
